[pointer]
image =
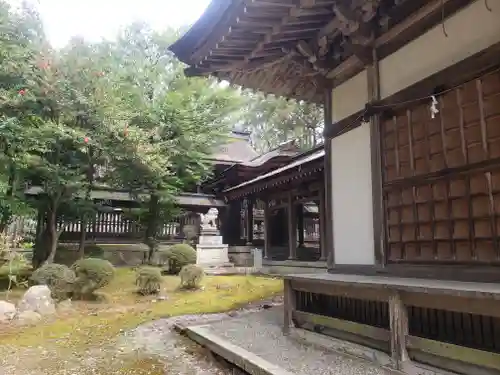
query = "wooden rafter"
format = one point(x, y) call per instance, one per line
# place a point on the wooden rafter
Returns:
point(285, 46)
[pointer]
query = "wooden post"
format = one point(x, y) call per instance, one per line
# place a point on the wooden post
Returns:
point(300, 223)
point(399, 330)
point(249, 229)
point(289, 306)
point(327, 183)
point(322, 225)
point(292, 229)
point(267, 235)
point(377, 165)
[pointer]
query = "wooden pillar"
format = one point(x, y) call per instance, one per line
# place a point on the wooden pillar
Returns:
point(300, 223)
point(231, 224)
point(327, 183)
point(249, 222)
point(399, 330)
point(322, 225)
point(292, 228)
point(267, 234)
point(376, 161)
point(289, 306)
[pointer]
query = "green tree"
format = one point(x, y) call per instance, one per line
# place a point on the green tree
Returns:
point(184, 120)
point(116, 113)
point(274, 120)
point(21, 37)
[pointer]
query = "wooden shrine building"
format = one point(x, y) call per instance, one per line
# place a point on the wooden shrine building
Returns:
point(410, 183)
point(283, 211)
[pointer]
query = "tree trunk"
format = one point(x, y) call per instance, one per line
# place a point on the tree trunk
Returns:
point(39, 250)
point(152, 226)
point(84, 220)
point(53, 236)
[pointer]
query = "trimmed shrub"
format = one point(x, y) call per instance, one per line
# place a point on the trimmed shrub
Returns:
point(177, 256)
point(148, 280)
point(94, 251)
point(191, 276)
point(91, 274)
point(58, 277)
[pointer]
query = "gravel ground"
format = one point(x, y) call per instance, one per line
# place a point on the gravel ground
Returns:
point(155, 340)
point(260, 333)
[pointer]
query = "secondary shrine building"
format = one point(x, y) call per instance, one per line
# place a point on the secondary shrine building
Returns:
point(406, 191)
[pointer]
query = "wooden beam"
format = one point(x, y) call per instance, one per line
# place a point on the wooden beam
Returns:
point(328, 194)
point(377, 334)
point(289, 303)
point(300, 222)
point(461, 355)
point(249, 228)
point(379, 236)
point(416, 24)
point(267, 232)
point(352, 24)
point(292, 228)
point(323, 224)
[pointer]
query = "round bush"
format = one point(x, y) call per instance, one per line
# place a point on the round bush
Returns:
point(94, 251)
point(178, 256)
point(58, 277)
point(91, 274)
point(191, 276)
point(148, 280)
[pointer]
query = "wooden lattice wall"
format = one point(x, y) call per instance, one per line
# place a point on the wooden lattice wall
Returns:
point(441, 177)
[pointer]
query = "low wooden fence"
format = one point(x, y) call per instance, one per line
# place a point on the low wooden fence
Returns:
point(115, 226)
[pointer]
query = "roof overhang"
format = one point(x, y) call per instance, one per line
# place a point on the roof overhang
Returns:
point(185, 200)
point(298, 48)
point(306, 164)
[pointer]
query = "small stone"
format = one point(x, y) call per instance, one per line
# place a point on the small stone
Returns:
point(7, 311)
point(162, 298)
point(28, 317)
point(38, 299)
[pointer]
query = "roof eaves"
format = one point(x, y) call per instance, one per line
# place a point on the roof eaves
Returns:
point(292, 164)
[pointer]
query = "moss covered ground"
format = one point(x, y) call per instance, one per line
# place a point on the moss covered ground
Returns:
point(90, 325)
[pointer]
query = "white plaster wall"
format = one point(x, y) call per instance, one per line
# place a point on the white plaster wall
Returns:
point(350, 97)
point(352, 197)
point(470, 31)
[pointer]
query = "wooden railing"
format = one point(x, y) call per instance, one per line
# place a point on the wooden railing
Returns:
point(115, 226)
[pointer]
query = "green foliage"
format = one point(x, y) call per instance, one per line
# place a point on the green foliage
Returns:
point(91, 274)
point(191, 276)
point(148, 280)
point(178, 256)
point(58, 277)
point(275, 120)
point(117, 113)
point(94, 251)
